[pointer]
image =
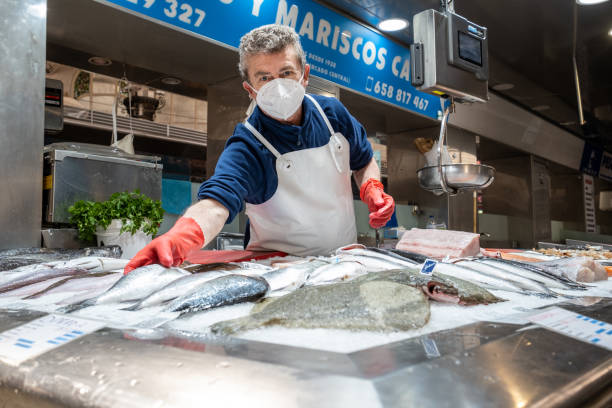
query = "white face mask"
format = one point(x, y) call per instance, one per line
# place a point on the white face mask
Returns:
point(281, 97)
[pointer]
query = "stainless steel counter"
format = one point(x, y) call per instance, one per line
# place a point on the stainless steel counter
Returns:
point(482, 364)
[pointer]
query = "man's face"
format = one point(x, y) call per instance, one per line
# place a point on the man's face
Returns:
point(263, 68)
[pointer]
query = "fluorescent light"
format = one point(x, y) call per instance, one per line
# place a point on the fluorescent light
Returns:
point(610, 32)
point(171, 81)
point(100, 61)
point(393, 24)
point(589, 2)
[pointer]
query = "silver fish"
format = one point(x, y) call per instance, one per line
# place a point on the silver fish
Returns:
point(137, 284)
point(63, 281)
point(88, 285)
point(179, 287)
point(225, 290)
point(287, 279)
point(39, 276)
point(374, 261)
point(491, 282)
point(546, 280)
point(356, 305)
point(336, 272)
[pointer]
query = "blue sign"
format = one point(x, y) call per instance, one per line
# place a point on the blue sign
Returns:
point(428, 266)
point(591, 160)
point(337, 48)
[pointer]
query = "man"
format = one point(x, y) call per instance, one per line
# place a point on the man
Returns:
point(290, 161)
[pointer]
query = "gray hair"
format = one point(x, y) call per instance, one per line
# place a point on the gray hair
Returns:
point(268, 39)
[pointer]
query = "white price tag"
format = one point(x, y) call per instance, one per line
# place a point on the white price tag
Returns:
point(575, 325)
point(41, 335)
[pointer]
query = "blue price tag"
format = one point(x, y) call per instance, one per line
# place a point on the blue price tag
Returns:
point(428, 266)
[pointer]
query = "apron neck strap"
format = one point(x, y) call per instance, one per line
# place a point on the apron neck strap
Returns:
point(262, 139)
point(323, 115)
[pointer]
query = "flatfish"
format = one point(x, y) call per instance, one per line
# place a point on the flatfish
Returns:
point(355, 305)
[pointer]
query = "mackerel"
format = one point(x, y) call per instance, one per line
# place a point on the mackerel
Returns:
point(541, 271)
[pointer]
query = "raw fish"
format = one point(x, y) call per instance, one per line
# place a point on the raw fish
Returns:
point(225, 290)
point(355, 305)
point(439, 244)
point(339, 271)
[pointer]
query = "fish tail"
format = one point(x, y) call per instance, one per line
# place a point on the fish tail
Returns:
point(76, 306)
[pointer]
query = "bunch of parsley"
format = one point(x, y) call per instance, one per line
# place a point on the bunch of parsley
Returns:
point(135, 210)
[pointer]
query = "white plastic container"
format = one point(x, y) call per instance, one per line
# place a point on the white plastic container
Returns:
point(130, 244)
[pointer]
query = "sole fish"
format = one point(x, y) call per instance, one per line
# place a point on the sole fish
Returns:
point(225, 290)
point(180, 287)
point(356, 305)
point(138, 284)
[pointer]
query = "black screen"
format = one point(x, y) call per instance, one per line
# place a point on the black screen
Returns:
point(470, 49)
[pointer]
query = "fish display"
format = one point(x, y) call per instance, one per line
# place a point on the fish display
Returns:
point(336, 272)
point(533, 273)
point(66, 287)
point(180, 287)
point(225, 290)
point(373, 261)
point(437, 286)
point(39, 276)
point(492, 279)
point(139, 283)
point(379, 305)
point(438, 244)
point(576, 269)
point(12, 258)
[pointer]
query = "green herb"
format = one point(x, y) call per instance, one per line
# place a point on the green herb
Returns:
point(135, 210)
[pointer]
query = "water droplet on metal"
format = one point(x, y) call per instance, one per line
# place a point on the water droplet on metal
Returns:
point(134, 382)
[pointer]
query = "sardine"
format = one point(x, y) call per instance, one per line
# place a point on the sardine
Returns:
point(179, 287)
point(137, 284)
point(225, 290)
point(335, 272)
point(355, 305)
point(439, 287)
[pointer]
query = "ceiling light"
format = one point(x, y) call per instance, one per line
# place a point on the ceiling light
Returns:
point(541, 108)
point(502, 87)
point(589, 2)
point(100, 61)
point(610, 32)
point(393, 24)
point(171, 81)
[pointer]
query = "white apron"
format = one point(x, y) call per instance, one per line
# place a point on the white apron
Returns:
point(311, 212)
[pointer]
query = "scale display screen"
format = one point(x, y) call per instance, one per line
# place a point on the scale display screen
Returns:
point(470, 48)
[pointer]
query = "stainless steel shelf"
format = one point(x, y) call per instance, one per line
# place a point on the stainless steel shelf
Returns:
point(141, 127)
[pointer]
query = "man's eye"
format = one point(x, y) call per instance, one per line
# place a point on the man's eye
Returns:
point(264, 79)
point(288, 73)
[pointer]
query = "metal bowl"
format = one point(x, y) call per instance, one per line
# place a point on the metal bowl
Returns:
point(457, 176)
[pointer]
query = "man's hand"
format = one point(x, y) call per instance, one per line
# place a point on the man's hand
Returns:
point(171, 248)
point(380, 204)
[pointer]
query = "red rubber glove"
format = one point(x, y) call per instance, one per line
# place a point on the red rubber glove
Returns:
point(380, 204)
point(171, 248)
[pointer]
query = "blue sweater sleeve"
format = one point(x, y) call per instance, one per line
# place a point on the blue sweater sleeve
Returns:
point(239, 175)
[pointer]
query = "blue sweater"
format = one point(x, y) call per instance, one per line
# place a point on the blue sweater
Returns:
point(246, 170)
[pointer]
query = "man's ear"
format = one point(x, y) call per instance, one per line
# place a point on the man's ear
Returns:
point(247, 87)
point(306, 74)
